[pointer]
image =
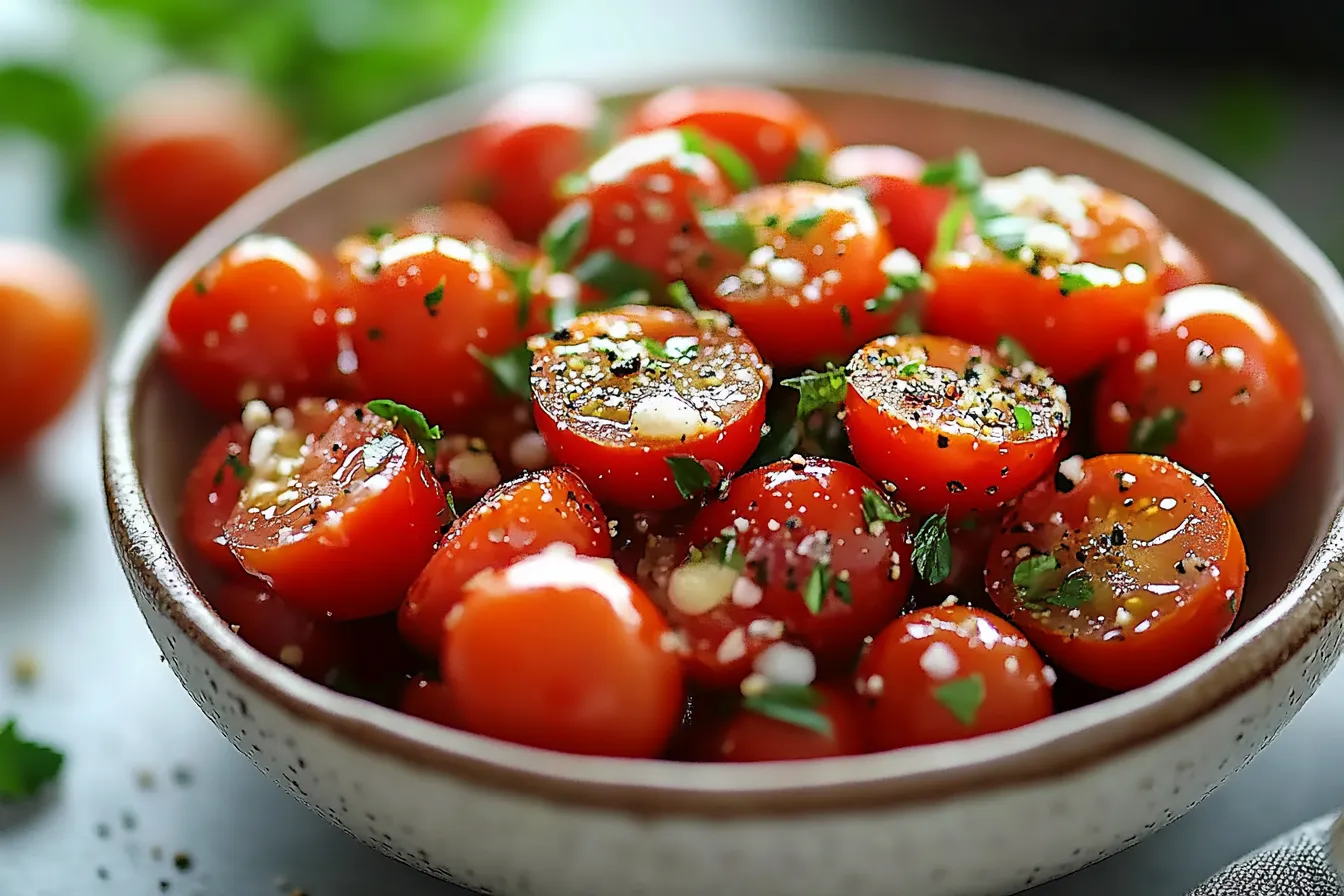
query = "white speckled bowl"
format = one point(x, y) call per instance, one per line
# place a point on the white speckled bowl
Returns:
point(985, 816)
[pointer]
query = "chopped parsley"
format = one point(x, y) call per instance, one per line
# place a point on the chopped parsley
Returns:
point(680, 296)
point(933, 549)
point(962, 697)
point(566, 234)
point(817, 389)
point(729, 229)
point(723, 550)
point(1074, 591)
point(378, 232)
point(808, 165)
point(1155, 434)
point(409, 419)
point(792, 704)
point(512, 369)
point(736, 168)
point(807, 219)
point(612, 275)
point(910, 368)
point(845, 317)
point(963, 172)
point(689, 475)
point(232, 464)
point(819, 582)
point(25, 765)
point(1034, 580)
point(877, 509)
point(521, 276)
point(950, 224)
point(434, 298)
point(200, 287)
point(1012, 350)
point(572, 184)
point(1022, 417)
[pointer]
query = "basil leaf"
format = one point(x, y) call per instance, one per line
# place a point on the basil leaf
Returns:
point(729, 229)
point(1155, 434)
point(690, 476)
point(512, 370)
point(409, 419)
point(806, 220)
point(737, 169)
point(566, 234)
point(434, 298)
point(963, 172)
point(1031, 576)
point(1022, 419)
point(1074, 591)
point(807, 165)
point(932, 551)
point(25, 765)
point(817, 389)
point(816, 586)
point(962, 697)
point(793, 705)
point(781, 436)
point(876, 508)
point(680, 296)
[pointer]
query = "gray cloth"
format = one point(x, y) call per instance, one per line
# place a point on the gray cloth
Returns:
point(1300, 863)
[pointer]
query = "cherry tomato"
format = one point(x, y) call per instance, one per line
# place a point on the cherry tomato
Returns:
point(418, 310)
point(953, 426)
point(769, 129)
point(179, 150)
point(501, 444)
point(889, 178)
point(795, 549)
point(524, 144)
point(461, 220)
point(210, 495)
point(626, 396)
point(1059, 234)
point(311, 646)
point(750, 736)
point(431, 700)
point(1121, 570)
point(1218, 387)
point(257, 322)
point(634, 212)
point(565, 653)
point(48, 335)
point(345, 531)
point(1182, 267)
point(949, 673)
point(806, 272)
point(517, 519)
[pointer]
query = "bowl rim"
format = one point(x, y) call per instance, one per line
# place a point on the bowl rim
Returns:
point(1061, 744)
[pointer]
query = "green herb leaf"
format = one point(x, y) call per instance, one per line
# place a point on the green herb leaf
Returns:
point(1073, 277)
point(933, 549)
point(1012, 350)
point(1022, 418)
point(908, 324)
point(729, 229)
point(1155, 434)
point(807, 219)
point(737, 169)
point(721, 550)
point(950, 225)
point(232, 464)
point(818, 583)
point(25, 765)
point(1031, 576)
point(910, 368)
point(52, 106)
point(842, 590)
point(817, 389)
point(680, 296)
point(612, 275)
point(963, 172)
point(409, 419)
point(807, 165)
point(690, 476)
point(521, 275)
point(512, 370)
point(677, 348)
point(876, 508)
point(566, 234)
point(962, 697)
point(792, 704)
point(1074, 591)
point(378, 232)
point(1006, 233)
point(452, 505)
point(571, 184)
point(434, 298)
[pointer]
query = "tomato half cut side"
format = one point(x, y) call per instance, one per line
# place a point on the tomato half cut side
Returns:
point(1121, 569)
point(344, 534)
point(515, 520)
point(649, 404)
point(953, 426)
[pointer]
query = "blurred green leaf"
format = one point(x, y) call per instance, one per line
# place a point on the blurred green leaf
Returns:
point(53, 107)
point(1244, 122)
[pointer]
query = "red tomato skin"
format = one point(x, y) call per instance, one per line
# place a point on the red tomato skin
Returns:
point(576, 665)
point(1243, 423)
point(1183, 266)
point(765, 127)
point(210, 496)
point(524, 517)
point(903, 709)
point(889, 177)
point(748, 736)
point(360, 563)
point(257, 322)
point(311, 646)
point(430, 700)
point(524, 143)
point(461, 220)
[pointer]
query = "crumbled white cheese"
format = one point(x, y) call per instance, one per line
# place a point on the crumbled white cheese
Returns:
point(665, 417)
point(697, 588)
point(939, 661)
point(785, 663)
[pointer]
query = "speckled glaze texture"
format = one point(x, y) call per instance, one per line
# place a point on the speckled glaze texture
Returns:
point(1022, 807)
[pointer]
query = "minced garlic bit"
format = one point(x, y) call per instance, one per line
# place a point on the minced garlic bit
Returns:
point(746, 593)
point(1071, 468)
point(733, 646)
point(255, 415)
point(785, 663)
point(939, 661)
point(699, 587)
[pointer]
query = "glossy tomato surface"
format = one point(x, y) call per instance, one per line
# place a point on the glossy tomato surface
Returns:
point(1069, 269)
point(949, 673)
point(257, 322)
point(1120, 570)
point(635, 397)
point(519, 518)
point(1218, 387)
point(889, 178)
point(345, 532)
point(803, 269)
point(313, 647)
point(749, 735)
point(211, 493)
point(954, 426)
point(564, 653)
point(772, 131)
point(430, 700)
point(1182, 267)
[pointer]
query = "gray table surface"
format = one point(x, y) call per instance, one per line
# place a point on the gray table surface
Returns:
point(149, 779)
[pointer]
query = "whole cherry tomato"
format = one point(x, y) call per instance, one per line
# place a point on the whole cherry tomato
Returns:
point(1122, 569)
point(211, 494)
point(431, 700)
point(517, 519)
point(890, 179)
point(565, 653)
point(953, 426)
point(753, 735)
point(311, 646)
point(1183, 267)
point(1218, 387)
point(649, 404)
point(949, 673)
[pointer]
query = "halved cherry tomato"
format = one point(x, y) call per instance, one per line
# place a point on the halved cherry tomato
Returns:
point(796, 549)
point(524, 144)
point(623, 396)
point(1218, 387)
point(1059, 235)
point(311, 646)
point(771, 130)
point(1183, 267)
point(750, 736)
point(949, 673)
point(804, 269)
point(431, 700)
point(1121, 570)
point(257, 322)
point(953, 426)
point(416, 312)
point(889, 178)
point(210, 495)
point(565, 653)
point(517, 519)
point(345, 533)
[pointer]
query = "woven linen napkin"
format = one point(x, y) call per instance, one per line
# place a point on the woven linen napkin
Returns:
point(1300, 863)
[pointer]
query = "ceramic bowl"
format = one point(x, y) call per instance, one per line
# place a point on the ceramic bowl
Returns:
point(984, 816)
